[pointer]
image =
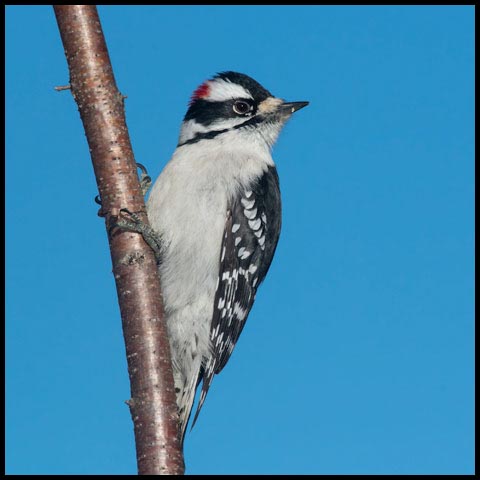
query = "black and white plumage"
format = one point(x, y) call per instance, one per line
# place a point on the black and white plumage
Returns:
point(216, 207)
point(250, 238)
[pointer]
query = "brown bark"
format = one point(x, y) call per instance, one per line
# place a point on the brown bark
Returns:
point(152, 404)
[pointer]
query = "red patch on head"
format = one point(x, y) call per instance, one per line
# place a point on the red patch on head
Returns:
point(201, 92)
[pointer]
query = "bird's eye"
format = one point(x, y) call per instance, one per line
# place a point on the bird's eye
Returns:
point(241, 107)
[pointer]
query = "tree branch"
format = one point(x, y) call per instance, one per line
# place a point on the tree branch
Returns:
point(152, 404)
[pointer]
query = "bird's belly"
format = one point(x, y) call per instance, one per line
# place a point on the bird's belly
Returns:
point(192, 230)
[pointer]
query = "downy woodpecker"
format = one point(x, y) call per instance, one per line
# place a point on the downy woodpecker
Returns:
point(217, 213)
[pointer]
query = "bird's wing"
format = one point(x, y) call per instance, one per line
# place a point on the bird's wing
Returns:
point(252, 228)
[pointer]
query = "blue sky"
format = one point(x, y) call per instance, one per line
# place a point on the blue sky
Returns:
point(358, 354)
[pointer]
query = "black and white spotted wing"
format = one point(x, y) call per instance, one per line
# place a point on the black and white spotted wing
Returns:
point(250, 238)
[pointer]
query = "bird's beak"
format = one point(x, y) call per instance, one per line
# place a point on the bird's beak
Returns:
point(291, 107)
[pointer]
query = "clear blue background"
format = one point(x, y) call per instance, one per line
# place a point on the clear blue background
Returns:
point(358, 355)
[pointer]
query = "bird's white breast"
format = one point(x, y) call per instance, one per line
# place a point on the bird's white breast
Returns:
point(187, 207)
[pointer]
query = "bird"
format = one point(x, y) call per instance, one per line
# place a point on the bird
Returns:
point(215, 210)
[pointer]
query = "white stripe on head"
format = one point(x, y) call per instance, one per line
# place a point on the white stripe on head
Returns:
point(189, 129)
point(221, 90)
